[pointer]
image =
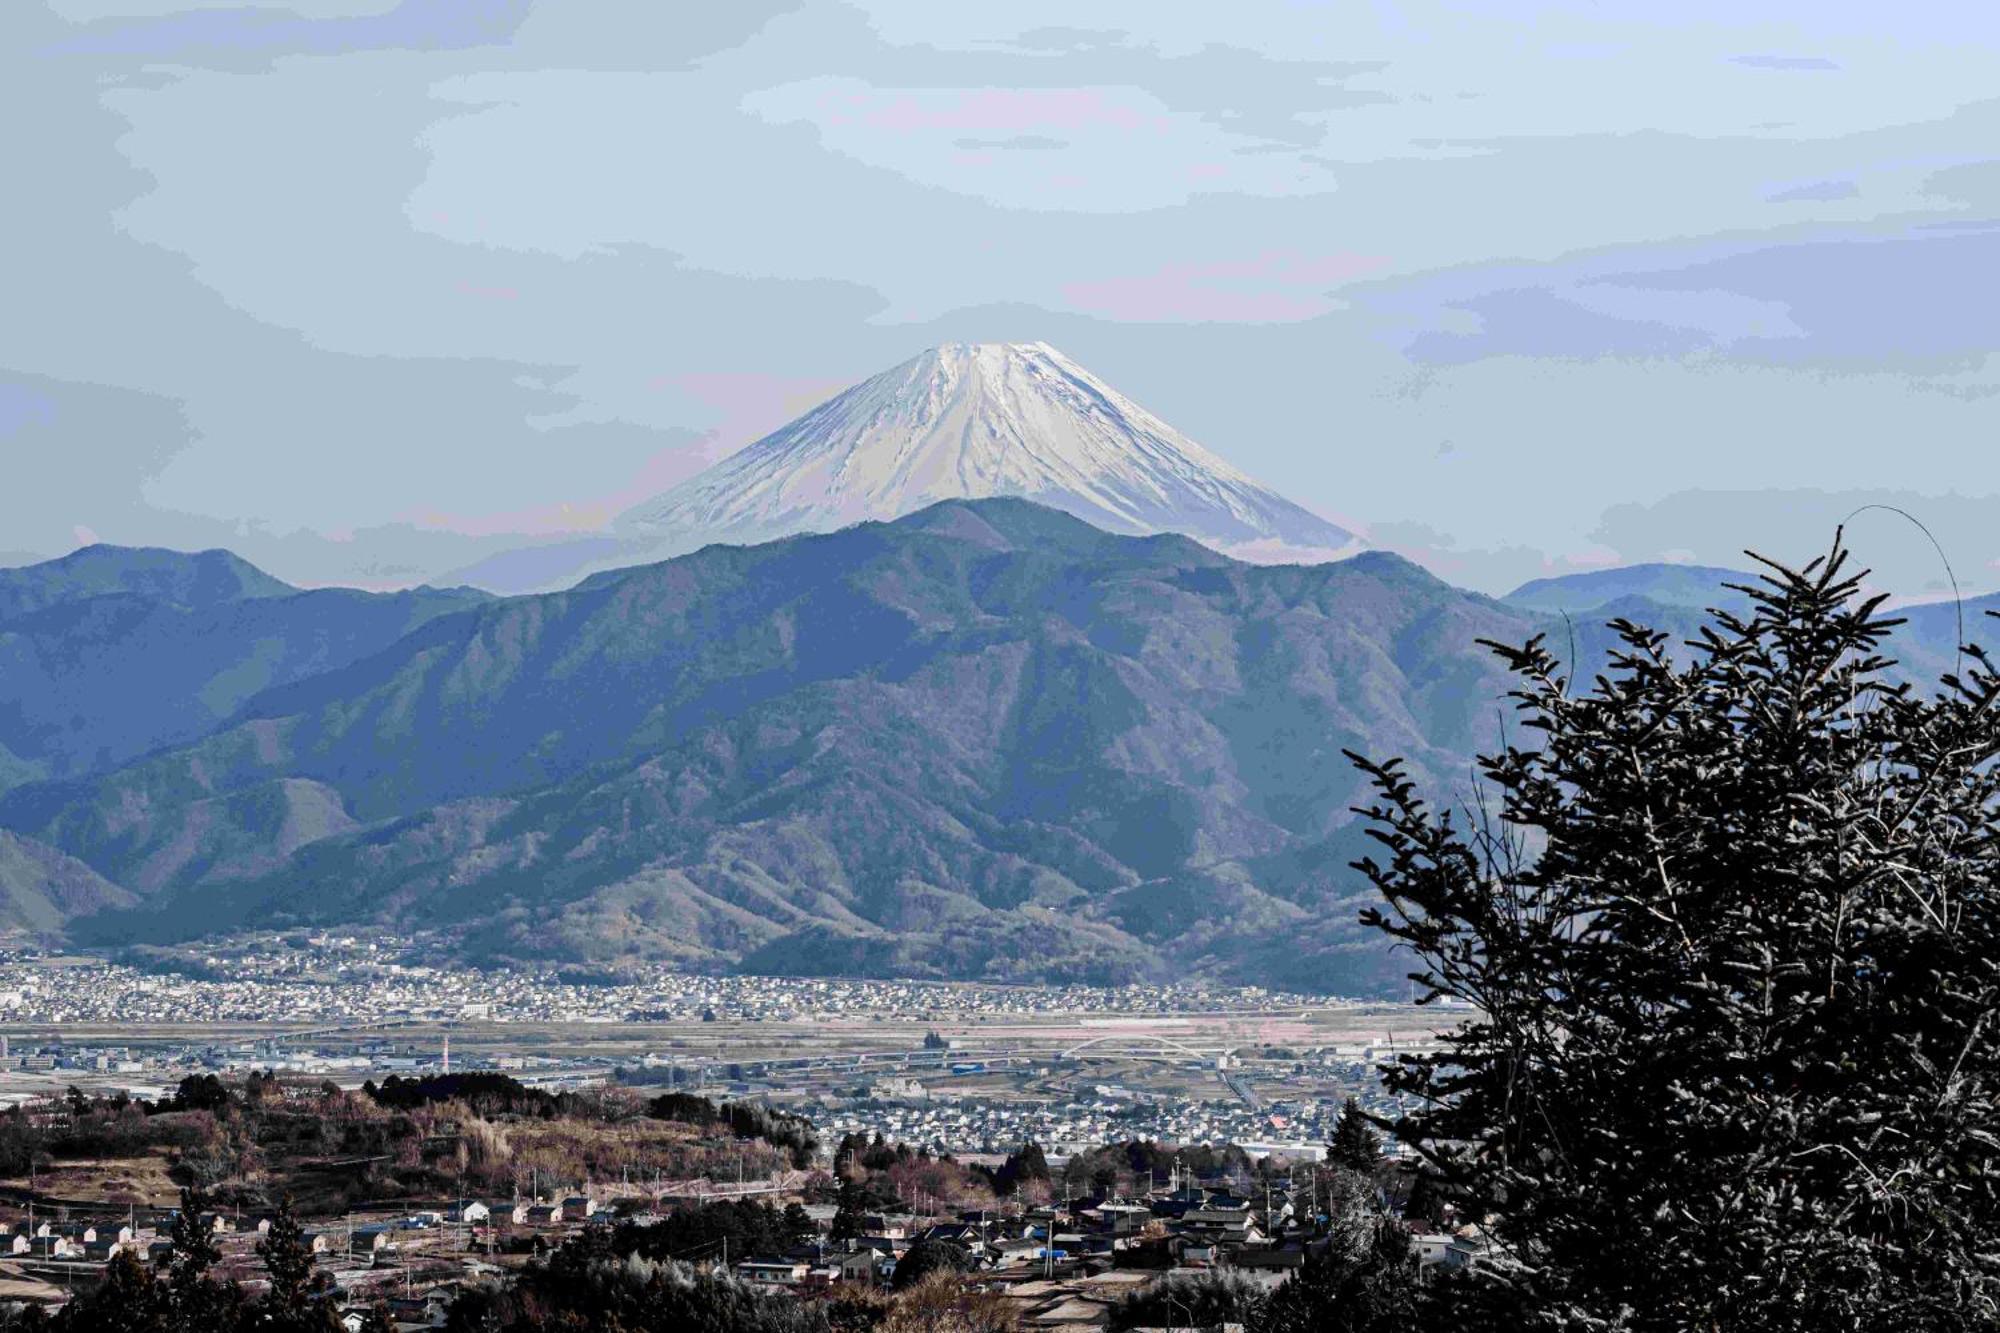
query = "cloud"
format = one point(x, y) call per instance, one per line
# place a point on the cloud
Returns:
point(1893, 299)
point(239, 328)
point(1539, 322)
point(63, 482)
point(1881, 297)
point(1794, 64)
point(1120, 149)
point(1817, 192)
point(1973, 185)
point(380, 287)
point(651, 38)
point(22, 406)
point(1496, 569)
point(1274, 286)
point(1715, 526)
point(898, 90)
point(996, 109)
point(1015, 142)
point(101, 461)
point(1718, 526)
point(1282, 99)
point(255, 36)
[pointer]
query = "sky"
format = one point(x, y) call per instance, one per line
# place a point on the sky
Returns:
point(372, 292)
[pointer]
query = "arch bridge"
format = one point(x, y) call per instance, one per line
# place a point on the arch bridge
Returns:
point(1141, 1047)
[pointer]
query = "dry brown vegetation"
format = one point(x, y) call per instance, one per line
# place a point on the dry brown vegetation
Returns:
point(332, 1149)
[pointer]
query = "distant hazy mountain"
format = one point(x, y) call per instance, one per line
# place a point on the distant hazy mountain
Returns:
point(1927, 645)
point(111, 652)
point(1674, 598)
point(174, 578)
point(977, 420)
point(986, 740)
point(1695, 587)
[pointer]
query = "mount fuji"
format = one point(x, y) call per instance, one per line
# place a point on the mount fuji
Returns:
point(976, 421)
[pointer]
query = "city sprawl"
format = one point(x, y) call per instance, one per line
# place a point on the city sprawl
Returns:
point(957, 1068)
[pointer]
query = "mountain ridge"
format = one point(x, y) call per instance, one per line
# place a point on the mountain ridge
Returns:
point(1693, 587)
point(185, 578)
point(42, 889)
point(987, 739)
point(111, 652)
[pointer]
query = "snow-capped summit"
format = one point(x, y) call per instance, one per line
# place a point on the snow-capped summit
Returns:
point(972, 420)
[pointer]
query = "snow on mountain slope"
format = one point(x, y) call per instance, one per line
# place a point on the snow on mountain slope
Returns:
point(973, 420)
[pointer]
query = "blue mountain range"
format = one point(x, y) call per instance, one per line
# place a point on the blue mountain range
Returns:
point(984, 741)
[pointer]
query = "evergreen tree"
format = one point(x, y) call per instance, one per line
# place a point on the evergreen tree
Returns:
point(1364, 1282)
point(1731, 933)
point(849, 1217)
point(1424, 1204)
point(298, 1300)
point(1355, 1145)
point(927, 1257)
point(193, 1299)
point(1030, 1163)
point(128, 1300)
point(191, 1247)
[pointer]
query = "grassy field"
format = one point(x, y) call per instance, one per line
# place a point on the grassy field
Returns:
point(140, 1181)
